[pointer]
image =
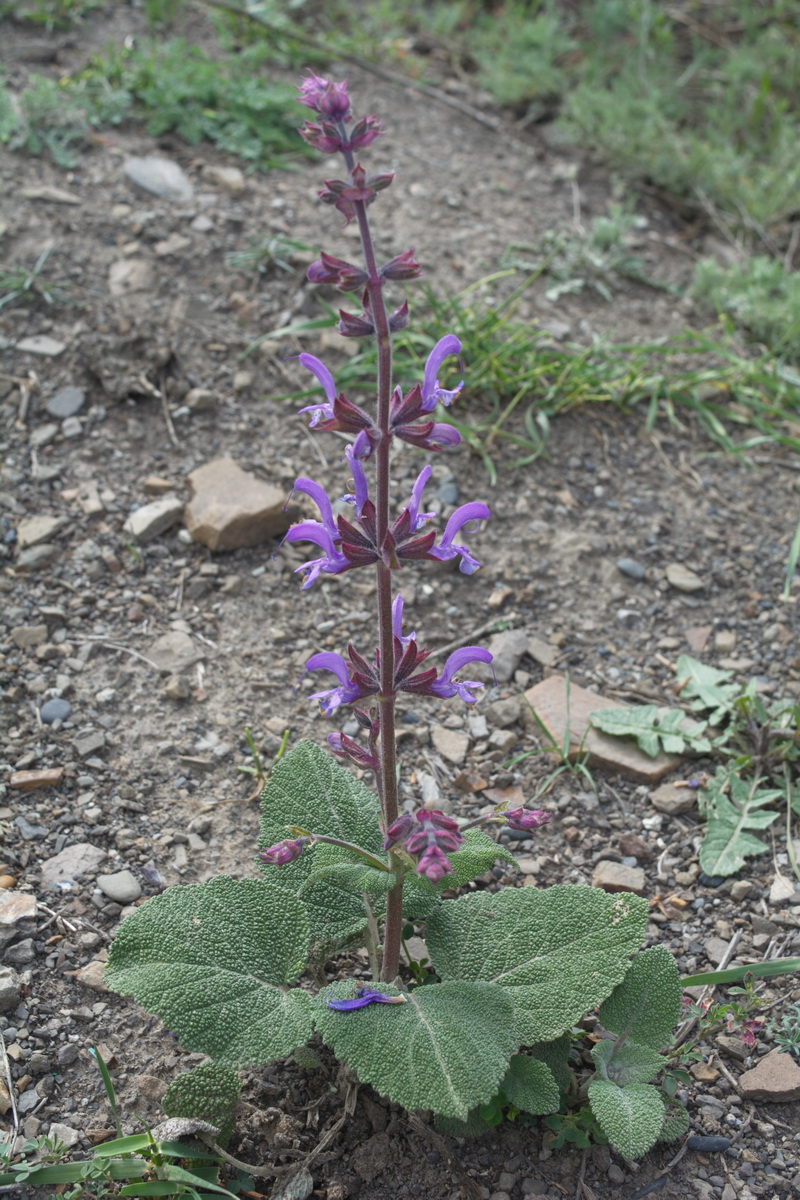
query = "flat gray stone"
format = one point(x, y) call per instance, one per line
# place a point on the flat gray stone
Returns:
point(175, 652)
point(10, 988)
point(34, 530)
point(40, 343)
point(683, 579)
point(507, 649)
point(122, 886)
point(71, 865)
point(673, 800)
point(147, 522)
point(90, 743)
point(452, 744)
point(67, 402)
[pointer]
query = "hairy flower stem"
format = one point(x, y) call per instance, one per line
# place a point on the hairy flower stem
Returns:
point(387, 695)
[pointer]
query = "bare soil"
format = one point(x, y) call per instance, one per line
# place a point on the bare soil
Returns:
point(160, 793)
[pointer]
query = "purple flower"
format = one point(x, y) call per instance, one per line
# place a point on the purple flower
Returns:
point(364, 995)
point(397, 623)
point(345, 747)
point(351, 686)
point(398, 831)
point(403, 266)
point(283, 852)
point(325, 97)
point(434, 864)
point(418, 519)
point(364, 132)
point(331, 561)
point(435, 829)
point(359, 482)
point(526, 818)
point(431, 392)
point(445, 550)
point(318, 368)
point(445, 686)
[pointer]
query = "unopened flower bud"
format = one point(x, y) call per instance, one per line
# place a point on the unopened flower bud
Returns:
point(402, 267)
point(354, 325)
point(283, 852)
point(526, 818)
point(399, 318)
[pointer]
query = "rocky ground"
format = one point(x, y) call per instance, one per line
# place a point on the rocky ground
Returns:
point(135, 648)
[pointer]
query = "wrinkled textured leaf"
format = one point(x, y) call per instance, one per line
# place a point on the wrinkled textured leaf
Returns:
point(312, 791)
point(211, 960)
point(558, 952)
point(646, 1006)
point(556, 1056)
point(632, 1118)
point(629, 1063)
point(209, 1092)
point(706, 688)
point(727, 843)
point(676, 1122)
point(654, 728)
point(447, 1048)
point(530, 1086)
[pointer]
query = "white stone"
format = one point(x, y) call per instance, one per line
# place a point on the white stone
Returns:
point(147, 522)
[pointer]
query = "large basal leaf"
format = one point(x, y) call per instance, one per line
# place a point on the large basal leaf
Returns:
point(707, 689)
point(530, 1086)
point(628, 1063)
point(309, 789)
point(646, 1006)
point(727, 843)
point(558, 952)
point(632, 1118)
point(654, 728)
point(555, 1055)
point(676, 1121)
point(478, 853)
point(212, 960)
point(209, 1092)
point(447, 1048)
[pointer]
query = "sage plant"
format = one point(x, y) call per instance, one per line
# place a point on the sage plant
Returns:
point(372, 539)
point(235, 967)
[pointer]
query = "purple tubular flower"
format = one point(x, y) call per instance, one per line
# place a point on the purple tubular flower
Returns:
point(320, 497)
point(348, 689)
point(418, 519)
point(364, 132)
point(364, 996)
point(445, 686)
point(431, 392)
point(430, 436)
point(359, 481)
point(398, 831)
point(330, 563)
point(397, 623)
point(283, 852)
point(320, 411)
point(473, 511)
point(526, 818)
point(344, 275)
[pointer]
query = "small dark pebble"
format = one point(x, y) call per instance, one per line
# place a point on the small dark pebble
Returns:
point(434, 1156)
point(649, 1188)
point(709, 1145)
point(55, 710)
point(710, 881)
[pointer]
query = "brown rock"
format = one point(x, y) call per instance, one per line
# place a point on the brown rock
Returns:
point(92, 976)
point(556, 709)
point(703, 1072)
point(175, 652)
point(230, 509)
point(635, 846)
point(616, 877)
point(29, 781)
point(673, 800)
point(776, 1078)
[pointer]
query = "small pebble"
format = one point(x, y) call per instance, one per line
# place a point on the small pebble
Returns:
point(631, 568)
point(55, 710)
point(708, 1145)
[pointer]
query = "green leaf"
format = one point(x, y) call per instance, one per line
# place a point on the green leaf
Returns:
point(632, 1118)
point(209, 1092)
point(626, 1064)
point(212, 960)
point(343, 869)
point(555, 1054)
point(473, 1125)
point(477, 854)
point(654, 728)
point(706, 688)
point(777, 966)
point(447, 1048)
point(530, 1086)
point(558, 952)
point(646, 1006)
point(727, 843)
point(676, 1122)
point(310, 790)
